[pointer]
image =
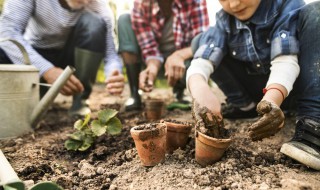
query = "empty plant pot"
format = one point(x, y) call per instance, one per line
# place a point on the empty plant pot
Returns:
point(154, 109)
point(150, 142)
point(208, 149)
point(177, 134)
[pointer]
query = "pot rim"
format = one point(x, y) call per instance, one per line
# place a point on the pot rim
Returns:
point(161, 128)
point(211, 141)
point(177, 127)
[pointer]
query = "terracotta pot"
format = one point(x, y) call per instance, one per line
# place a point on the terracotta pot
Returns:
point(177, 134)
point(150, 143)
point(209, 150)
point(154, 109)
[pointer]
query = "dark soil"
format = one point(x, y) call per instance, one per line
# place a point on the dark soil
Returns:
point(113, 163)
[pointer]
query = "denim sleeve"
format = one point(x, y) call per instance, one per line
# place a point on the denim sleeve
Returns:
point(284, 36)
point(212, 44)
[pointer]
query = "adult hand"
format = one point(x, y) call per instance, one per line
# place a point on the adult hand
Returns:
point(115, 83)
point(149, 75)
point(270, 123)
point(174, 68)
point(71, 87)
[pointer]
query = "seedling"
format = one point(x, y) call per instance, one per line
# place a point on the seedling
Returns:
point(88, 131)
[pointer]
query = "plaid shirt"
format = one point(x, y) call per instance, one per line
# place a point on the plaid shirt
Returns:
point(190, 17)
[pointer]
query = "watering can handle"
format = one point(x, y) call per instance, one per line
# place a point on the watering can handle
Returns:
point(23, 50)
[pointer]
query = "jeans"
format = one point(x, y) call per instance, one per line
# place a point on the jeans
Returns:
point(88, 33)
point(242, 86)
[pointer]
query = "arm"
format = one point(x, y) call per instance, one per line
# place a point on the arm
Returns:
point(113, 65)
point(14, 19)
point(174, 66)
point(284, 71)
point(141, 18)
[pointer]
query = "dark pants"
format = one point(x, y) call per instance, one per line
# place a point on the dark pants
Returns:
point(242, 87)
point(89, 34)
point(128, 43)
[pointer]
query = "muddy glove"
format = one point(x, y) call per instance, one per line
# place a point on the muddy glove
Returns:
point(207, 122)
point(270, 123)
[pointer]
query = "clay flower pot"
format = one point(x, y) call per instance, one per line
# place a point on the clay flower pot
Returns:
point(154, 109)
point(208, 149)
point(150, 142)
point(177, 134)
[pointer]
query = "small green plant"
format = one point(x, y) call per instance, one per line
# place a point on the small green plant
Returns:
point(87, 131)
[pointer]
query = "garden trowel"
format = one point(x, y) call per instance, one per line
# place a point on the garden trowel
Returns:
point(9, 180)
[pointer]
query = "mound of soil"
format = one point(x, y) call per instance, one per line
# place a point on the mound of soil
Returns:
point(113, 163)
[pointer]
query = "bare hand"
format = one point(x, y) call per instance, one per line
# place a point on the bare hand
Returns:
point(115, 83)
point(206, 121)
point(174, 68)
point(148, 76)
point(72, 86)
point(270, 123)
point(203, 94)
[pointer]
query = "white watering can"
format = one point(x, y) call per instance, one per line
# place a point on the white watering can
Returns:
point(20, 104)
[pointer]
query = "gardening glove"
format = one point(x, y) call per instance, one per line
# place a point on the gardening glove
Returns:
point(206, 121)
point(270, 123)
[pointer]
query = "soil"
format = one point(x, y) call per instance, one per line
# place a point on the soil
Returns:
point(113, 163)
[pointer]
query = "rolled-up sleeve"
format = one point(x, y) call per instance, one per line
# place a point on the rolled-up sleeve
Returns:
point(212, 44)
point(284, 40)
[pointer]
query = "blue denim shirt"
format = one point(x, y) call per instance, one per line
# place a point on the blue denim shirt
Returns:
point(270, 32)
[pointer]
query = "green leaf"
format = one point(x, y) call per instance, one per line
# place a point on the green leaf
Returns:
point(105, 115)
point(78, 124)
point(97, 128)
point(88, 141)
point(78, 136)
point(86, 119)
point(114, 126)
point(72, 144)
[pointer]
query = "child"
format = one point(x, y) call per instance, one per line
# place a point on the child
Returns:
point(259, 51)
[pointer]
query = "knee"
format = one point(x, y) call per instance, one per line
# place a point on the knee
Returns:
point(311, 12)
point(124, 21)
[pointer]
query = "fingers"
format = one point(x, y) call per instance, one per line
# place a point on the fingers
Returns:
point(264, 107)
point(269, 124)
point(266, 131)
point(174, 74)
point(146, 79)
point(256, 137)
point(115, 83)
point(72, 86)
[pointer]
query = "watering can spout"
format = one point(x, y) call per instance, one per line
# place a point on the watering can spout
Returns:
point(49, 97)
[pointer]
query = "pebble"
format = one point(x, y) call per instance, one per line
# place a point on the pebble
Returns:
point(100, 170)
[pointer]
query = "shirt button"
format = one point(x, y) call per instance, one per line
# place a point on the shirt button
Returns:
point(268, 41)
point(211, 46)
point(258, 65)
point(283, 35)
point(234, 53)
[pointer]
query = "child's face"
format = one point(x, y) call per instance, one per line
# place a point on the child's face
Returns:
point(77, 4)
point(241, 9)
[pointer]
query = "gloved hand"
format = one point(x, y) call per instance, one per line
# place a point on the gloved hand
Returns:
point(270, 123)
